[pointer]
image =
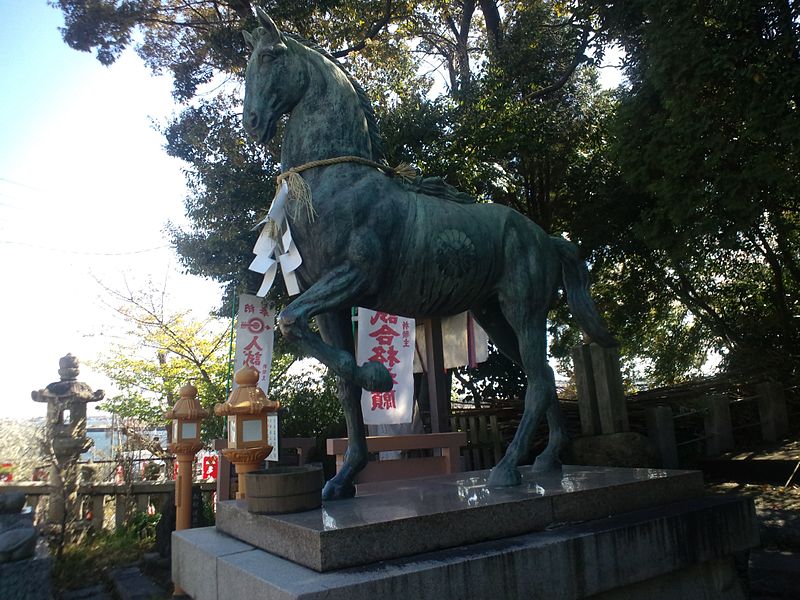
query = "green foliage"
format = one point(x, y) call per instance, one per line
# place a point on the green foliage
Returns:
point(494, 382)
point(169, 350)
point(90, 561)
point(680, 187)
point(308, 396)
point(22, 443)
point(702, 188)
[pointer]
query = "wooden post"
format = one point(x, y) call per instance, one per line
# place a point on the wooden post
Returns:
point(183, 491)
point(438, 393)
point(661, 431)
point(223, 471)
point(608, 385)
point(772, 411)
point(718, 425)
point(585, 387)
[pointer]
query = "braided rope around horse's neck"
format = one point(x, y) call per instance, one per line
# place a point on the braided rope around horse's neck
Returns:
point(300, 192)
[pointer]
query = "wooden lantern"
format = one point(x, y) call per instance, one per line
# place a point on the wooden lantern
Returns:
point(187, 416)
point(246, 409)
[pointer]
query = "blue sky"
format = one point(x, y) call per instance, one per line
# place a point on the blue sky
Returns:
point(85, 192)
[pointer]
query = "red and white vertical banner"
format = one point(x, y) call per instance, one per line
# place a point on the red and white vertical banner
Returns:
point(255, 338)
point(389, 340)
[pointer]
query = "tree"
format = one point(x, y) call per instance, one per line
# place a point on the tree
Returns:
point(165, 351)
point(504, 128)
point(695, 227)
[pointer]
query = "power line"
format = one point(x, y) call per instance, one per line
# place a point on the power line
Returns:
point(79, 252)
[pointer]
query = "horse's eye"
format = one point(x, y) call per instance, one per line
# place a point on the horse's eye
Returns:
point(270, 53)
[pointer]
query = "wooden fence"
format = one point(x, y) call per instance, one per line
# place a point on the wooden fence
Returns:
point(718, 422)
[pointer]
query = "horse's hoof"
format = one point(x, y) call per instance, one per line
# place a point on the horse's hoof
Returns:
point(336, 490)
point(544, 464)
point(504, 477)
point(375, 377)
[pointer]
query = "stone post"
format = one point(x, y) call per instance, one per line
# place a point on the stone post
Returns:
point(661, 431)
point(772, 410)
point(66, 440)
point(611, 406)
point(585, 388)
point(718, 425)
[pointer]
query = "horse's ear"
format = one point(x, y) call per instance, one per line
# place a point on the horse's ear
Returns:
point(272, 33)
point(248, 39)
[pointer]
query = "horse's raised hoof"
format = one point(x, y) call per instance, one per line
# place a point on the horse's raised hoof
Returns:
point(338, 490)
point(545, 464)
point(504, 477)
point(373, 376)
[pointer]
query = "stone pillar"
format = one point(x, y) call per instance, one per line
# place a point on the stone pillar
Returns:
point(66, 440)
point(585, 388)
point(772, 411)
point(718, 425)
point(611, 406)
point(661, 431)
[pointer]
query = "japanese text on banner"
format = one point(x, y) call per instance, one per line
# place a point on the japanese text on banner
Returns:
point(255, 337)
point(387, 339)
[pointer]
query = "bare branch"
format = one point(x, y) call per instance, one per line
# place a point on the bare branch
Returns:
point(561, 81)
point(371, 34)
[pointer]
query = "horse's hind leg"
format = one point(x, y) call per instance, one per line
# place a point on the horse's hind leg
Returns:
point(540, 394)
point(503, 336)
point(336, 330)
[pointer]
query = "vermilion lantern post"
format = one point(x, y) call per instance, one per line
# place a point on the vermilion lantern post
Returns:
point(186, 415)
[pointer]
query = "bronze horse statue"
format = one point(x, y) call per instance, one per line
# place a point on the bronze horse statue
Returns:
point(391, 245)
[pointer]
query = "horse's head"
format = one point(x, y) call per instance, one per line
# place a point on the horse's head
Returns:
point(275, 80)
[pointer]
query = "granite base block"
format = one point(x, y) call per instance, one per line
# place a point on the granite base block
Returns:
point(679, 550)
point(405, 518)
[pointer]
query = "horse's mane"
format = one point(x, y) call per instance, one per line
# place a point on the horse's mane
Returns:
point(375, 138)
point(431, 186)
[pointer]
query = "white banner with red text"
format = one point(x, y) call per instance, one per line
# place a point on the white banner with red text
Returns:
point(255, 338)
point(389, 340)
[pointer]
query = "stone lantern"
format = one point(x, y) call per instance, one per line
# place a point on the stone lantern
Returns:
point(66, 437)
point(246, 410)
point(186, 415)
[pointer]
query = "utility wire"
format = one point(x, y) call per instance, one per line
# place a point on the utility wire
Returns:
point(80, 252)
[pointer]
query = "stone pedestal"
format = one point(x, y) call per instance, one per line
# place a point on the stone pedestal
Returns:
point(622, 533)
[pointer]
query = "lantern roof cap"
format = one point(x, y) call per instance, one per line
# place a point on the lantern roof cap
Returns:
point(187, 406)
point(247, 398)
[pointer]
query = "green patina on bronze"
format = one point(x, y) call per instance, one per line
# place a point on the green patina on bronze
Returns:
point(420, 249)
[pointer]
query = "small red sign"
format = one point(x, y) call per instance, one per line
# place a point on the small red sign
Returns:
point(210, 467)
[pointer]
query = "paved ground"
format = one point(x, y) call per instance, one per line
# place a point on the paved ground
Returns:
point(774, 569)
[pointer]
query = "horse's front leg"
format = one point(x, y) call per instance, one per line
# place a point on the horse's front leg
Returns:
point(338, 289)
point(329, 300)
point(336, 329)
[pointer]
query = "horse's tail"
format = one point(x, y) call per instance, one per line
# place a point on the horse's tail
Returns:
point(576, 284)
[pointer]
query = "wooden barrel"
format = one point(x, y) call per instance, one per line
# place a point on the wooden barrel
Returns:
point(284, 489)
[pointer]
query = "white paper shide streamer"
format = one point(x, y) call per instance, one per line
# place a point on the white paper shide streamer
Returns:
point(271, 252)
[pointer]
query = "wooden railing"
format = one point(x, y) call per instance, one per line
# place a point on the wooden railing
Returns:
point(446, 445)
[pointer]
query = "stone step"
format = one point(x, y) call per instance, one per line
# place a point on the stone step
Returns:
point(130, 584)
point(680, 550)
